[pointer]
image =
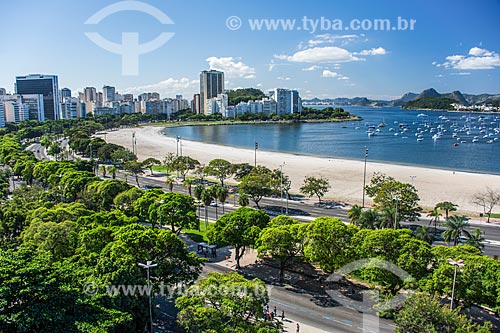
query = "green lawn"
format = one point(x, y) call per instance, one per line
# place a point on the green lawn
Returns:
point(495, 216)
point(201, 235)
point(160, 168)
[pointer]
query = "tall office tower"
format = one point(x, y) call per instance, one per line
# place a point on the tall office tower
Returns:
point(3, 91)
point(90, 94)
point(211, 85)
point(46, 85)
point(108, 94)
point(196, 104)
point(288, 101)
point(128, 97)
point(65, 92)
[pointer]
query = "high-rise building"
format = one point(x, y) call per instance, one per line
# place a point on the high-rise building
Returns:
point(211, 85)
point(32, 107)
point(128, 97)
point(217, 105)
point(3, 91)
point(72, 108)
point(108, 94)
point(288, 101)
point(149, 96)
point(46, 85)
point(90, 94)
point(65, 92)
point(195, 107)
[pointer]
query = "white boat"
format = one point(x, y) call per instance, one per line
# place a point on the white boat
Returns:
point(420, 139)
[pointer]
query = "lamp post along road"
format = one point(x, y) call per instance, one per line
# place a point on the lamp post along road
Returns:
point(364, 177)
point(147, 266)
point(255, 153)
point(396, 213)
point(457, 263)
point(281, 186)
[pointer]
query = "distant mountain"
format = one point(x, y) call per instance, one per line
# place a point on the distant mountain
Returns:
point(429, 96)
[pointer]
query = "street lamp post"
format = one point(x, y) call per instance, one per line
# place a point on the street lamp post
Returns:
point(178, 138)
point(281, 185)
point(396, 213)
point(457, 263)
point(255, 153)
point(364, 177)
point(133, 143)
point(147, 266)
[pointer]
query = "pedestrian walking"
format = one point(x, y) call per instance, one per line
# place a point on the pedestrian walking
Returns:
point(298, 328)
point(282, 314)
point(275, 311)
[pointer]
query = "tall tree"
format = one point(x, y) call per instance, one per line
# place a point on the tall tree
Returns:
point(315, 187)
point(487, 199)
point(435, 216)
point(208, 307)
point(476, 239)
point(447, 206)
point(354, 214)
point(390, 193)
point(149, 163)
point(184, 164)
point(282, 243)
point(135, 169)
point(328, 243)
point(256, 185)
point(220, 169)
point(240, 228)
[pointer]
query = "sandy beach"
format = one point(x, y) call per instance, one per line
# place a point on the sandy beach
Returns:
point(345, 176)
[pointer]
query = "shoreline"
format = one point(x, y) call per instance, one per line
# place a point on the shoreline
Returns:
point(345, 175)
point(344, 158)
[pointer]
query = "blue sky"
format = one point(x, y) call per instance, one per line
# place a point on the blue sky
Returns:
point(454, 46)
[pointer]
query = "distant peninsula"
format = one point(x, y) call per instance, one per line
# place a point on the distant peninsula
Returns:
point(427, 99)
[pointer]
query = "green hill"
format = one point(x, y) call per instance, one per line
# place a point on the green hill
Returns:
point(244, 95)
point(440, 103)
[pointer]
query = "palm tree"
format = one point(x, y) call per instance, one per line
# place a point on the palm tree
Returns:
point(221, 195)
point(370, 219)
point(112, 171)
point(425, 234)
point(447, 207)
point(455, 227)
point(170, 183)
point(354, 214)
point(476, 239)
point(387, 216)
point(434, 215)
point(188, 183)
point(198, 191)
point(103, 170)
point(206, 197)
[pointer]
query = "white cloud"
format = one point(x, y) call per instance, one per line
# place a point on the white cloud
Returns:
point(320, 55)
point(283, 78)
point(476, 59)
point(330, 39)
point(329, 73)
point(312, 68)
point(476, 51)
point(374, 51)
point(169, 87)
point(232, 67)
point(259, 85)
point(461, 73)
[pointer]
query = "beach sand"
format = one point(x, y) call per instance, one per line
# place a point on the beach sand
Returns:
point(345, 176)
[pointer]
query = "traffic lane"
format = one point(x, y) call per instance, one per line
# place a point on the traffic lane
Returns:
point(300, 307)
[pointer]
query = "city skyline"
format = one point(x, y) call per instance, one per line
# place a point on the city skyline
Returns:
point(450, 48)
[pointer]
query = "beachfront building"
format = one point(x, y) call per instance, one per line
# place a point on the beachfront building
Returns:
point(41, 84)
point(211, 85)
point(288, 101)
point(217, 105)
point(266, 106)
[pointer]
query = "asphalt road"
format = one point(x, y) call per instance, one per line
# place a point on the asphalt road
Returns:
point(331, 319)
